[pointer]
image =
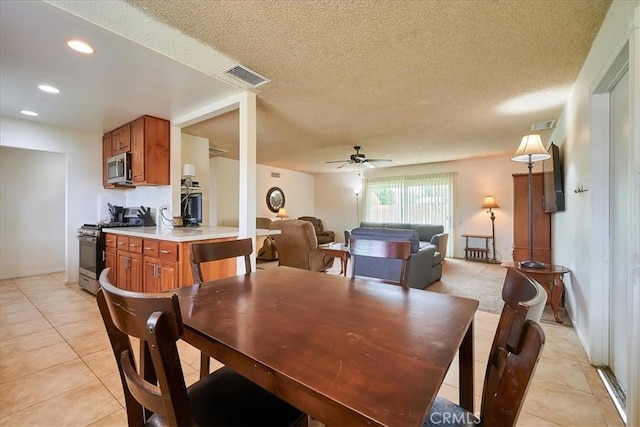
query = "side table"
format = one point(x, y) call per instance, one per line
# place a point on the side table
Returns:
point(476, 253)
point(338, 250)
point(551, 280)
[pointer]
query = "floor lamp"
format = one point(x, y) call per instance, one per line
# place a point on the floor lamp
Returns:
point(530, 151)
point(356, 191)
point(490, 203)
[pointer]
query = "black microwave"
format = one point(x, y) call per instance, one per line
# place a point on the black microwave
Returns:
point(119, 169)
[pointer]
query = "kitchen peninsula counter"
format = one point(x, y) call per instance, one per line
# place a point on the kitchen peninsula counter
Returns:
point(184, 234)
point(151, 259)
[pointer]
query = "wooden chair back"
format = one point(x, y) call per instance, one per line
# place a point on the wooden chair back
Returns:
point(524, 299)
point(512, 370)
point(215, 251)
point(158, 386)
point(382, 249)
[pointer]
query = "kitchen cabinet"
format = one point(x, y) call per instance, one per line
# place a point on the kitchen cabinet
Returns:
point(147, 140)
point(161, 268)
point(111, 259)
point(107, 152)
point(150, 151)
point(121, 140)
point(541, 220)
point(129, 263)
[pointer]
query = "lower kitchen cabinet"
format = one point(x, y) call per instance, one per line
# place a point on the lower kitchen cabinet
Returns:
point(155, 265)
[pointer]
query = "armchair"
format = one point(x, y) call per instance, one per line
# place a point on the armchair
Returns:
point(298, 245)
point(323, 236)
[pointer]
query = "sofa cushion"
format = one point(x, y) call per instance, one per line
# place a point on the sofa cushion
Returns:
point(388, 234)
point(427, 231)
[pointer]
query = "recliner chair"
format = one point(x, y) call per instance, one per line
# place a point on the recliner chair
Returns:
point(298, 245)
point(323, 236)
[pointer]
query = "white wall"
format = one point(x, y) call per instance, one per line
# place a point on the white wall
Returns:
point(32, 218)
point(83, 174)
point(335, 199)
point(195, 151)
point(298, 189)
point(572, 241)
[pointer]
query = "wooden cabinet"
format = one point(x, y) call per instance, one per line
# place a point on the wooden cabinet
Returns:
point(106, 153)
point(161, 269)
point(541, 220)
point(111, 260)
point(147, 139)
point(150, 151)
point(121, 140)
point(129, 263)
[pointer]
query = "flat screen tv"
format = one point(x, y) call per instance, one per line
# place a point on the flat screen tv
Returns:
point(553, 181)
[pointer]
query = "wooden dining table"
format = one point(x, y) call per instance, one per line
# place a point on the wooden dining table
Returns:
point(344, 351)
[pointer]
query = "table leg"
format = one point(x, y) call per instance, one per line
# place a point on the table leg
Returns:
point(465, 361)
point(557, 289)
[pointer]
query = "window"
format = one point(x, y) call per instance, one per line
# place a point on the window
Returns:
point(416, 199)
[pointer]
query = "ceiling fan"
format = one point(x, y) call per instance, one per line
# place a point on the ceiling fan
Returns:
point(359, 159)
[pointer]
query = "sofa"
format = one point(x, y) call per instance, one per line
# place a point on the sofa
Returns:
point(323, 236)
point(298, 245)
point(425, 264)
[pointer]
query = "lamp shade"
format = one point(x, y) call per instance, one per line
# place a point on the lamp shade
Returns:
point(188, 170)
point(530, 150)
point(282, 213)
point(489, 203)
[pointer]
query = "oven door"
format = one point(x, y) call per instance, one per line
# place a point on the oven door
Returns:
point(90, 258)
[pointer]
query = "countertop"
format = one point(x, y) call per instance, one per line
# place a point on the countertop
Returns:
point(184, 234)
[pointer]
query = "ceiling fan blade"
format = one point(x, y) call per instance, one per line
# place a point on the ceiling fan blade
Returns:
point(378, 160)
point(341, 166)
point(369, 165)
point(339, 161)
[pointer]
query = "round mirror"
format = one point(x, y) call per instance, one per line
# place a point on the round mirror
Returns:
point(275, 199)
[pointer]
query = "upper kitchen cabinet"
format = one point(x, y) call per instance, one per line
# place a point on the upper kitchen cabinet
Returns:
point(146, 139)
point(150, 151)
point(121, 140)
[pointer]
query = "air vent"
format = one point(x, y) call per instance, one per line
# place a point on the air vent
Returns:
point(543, 125)
point(246, 76)
point(214, 151)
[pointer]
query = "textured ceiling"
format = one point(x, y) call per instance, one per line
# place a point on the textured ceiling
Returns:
point(413, 81)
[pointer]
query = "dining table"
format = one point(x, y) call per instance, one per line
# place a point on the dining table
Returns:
point(344, 351)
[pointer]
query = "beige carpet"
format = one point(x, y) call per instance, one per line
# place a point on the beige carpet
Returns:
point(483, 282)
point(468, 279)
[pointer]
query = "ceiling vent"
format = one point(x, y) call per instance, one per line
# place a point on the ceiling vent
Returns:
point(537, 126)
point(247, 78)
point(215, 151)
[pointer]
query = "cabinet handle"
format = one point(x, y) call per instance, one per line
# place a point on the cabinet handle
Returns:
point(126, 262)
point(148, 248)
point(165, 252)
point(133, 245)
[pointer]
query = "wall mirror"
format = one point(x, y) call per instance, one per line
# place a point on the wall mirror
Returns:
point(275, 199)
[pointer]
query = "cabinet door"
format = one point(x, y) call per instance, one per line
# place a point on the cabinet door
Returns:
point(111, 262)
point(122, 269)
point(167, 275)
point(135, 273)
point(121, 139)
point(541, 220)
point(107, 152)
point(150, 272)
point(137, 150)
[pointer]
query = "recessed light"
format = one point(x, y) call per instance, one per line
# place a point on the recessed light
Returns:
point(80, 46)
point(48, 89)
point(29, 113)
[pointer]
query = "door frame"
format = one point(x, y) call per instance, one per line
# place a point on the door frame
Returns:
point(626, 58)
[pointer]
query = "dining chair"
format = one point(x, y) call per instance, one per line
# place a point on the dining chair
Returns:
point(215, 251)
point(524, 301)
point(156, 393)
point(382, 249)
point(513, 370)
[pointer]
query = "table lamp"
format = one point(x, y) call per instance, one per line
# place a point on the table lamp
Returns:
point(282, 213)
point(490, 203)
point(531, 150)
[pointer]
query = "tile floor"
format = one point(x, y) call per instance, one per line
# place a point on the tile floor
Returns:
point(57, 368)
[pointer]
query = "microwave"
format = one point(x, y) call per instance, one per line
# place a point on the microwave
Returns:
point(119, 169)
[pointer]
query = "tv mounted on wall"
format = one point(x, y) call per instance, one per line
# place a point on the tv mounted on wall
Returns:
point(553, 181)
